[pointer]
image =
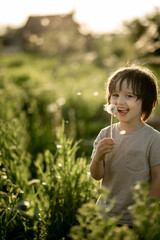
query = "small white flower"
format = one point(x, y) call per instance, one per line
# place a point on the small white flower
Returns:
point(79, 93)
point(59, 146)
point(4, 177)
point(111, 108)
point(26, 203)
point(44, 183)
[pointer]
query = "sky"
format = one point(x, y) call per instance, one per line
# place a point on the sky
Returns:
point(96, 15)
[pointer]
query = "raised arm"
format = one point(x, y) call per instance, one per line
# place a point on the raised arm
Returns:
point(97, 165)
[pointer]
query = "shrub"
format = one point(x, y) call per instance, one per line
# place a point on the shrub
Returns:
point(92, 222)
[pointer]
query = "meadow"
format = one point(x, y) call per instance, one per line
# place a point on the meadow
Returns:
point(44, 161)
point(51, 110)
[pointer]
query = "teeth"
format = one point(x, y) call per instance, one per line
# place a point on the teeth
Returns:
point(122, 109)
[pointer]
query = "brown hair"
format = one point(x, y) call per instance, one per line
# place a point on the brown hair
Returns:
point(144, 85)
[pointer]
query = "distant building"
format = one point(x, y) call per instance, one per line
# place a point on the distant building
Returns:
point(44, 32)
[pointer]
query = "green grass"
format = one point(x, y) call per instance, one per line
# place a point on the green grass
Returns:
point(44, 164)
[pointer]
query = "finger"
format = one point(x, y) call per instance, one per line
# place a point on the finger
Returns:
point(108, 140)
point(104, 144)
point(105, 148)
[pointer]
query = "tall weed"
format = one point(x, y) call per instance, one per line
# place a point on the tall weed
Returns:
point(65, 186)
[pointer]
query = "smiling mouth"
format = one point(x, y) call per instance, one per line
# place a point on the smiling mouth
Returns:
point(123, 111)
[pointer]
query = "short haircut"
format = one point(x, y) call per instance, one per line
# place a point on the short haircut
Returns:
point(143, 83)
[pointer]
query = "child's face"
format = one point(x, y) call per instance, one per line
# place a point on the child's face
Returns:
point(129, 109)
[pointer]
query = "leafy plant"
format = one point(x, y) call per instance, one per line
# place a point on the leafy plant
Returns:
point(93, 224)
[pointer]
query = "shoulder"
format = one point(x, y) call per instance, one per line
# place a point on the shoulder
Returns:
point(151, 132)
point(105, 132)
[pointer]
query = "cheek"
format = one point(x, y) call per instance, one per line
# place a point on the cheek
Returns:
point(139, 106)
point(112, 101)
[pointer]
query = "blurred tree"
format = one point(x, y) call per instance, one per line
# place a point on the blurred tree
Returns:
point(145, 33)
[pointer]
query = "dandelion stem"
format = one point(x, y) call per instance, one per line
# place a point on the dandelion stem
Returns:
point(111, 123)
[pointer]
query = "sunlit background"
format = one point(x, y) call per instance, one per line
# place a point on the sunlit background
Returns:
point(98, 15)
point(55, 59)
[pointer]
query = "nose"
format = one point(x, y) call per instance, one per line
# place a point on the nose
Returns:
point(120, 100)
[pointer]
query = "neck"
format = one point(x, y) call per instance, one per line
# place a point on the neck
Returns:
point(128, 128)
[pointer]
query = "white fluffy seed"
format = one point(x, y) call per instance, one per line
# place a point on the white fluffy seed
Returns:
point(111, 108)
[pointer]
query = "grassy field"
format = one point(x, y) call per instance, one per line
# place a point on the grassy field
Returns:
point(50, 112)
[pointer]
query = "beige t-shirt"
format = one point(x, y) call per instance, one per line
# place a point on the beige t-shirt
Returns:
point(130, 162)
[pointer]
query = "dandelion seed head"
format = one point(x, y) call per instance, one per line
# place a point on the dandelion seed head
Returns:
point(111, 108)
point(79, 93)
point(59, 164)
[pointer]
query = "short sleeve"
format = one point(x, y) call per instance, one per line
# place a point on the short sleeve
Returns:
point(103, 133)
point(154, 156)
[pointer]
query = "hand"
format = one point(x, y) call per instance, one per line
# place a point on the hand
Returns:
point(104, 147)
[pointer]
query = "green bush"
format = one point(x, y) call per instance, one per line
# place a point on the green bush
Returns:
point(93, 224)
point(43, 167)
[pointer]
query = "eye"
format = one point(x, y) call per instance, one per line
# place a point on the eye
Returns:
point(114, 95)
point(129, 96)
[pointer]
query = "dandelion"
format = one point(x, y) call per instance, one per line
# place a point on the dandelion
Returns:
point(79, 93)
point(111, 109)
point(44, 183)
point(59, 164)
